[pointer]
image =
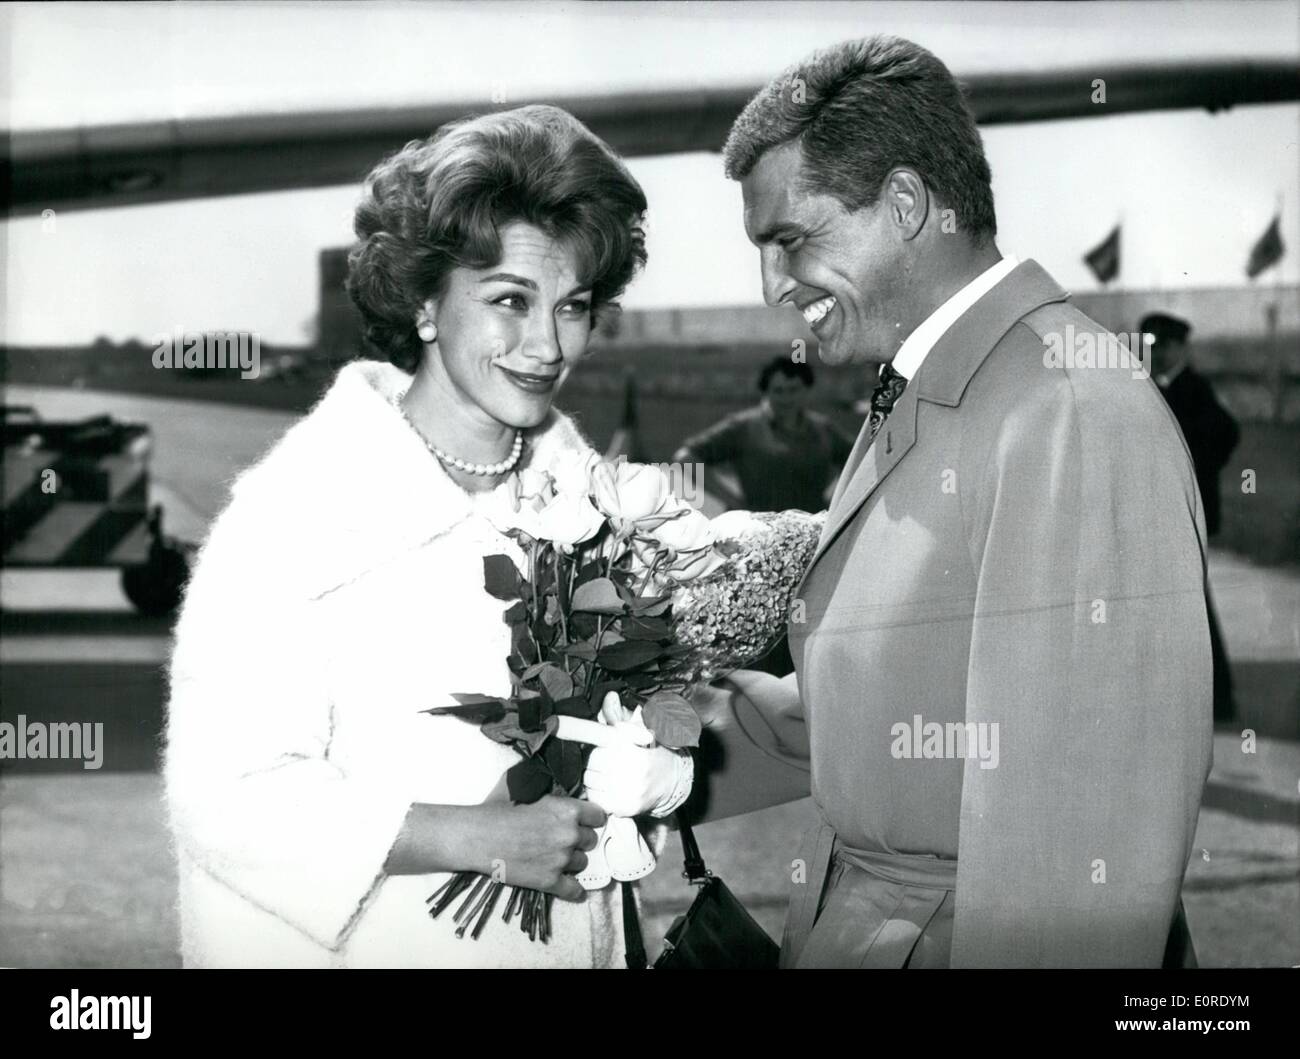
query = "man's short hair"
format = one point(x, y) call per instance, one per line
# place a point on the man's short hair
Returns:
point(784, 366)
point(862, 108)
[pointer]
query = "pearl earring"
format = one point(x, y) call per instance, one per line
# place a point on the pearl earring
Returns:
point(427, 332)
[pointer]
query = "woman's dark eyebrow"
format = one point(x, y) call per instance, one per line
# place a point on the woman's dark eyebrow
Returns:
point(509, 277)
point(522, 281)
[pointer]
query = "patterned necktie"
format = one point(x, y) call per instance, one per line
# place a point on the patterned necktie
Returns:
point(888, 391)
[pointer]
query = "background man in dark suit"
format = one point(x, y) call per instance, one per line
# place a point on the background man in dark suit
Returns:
point(1211, 434)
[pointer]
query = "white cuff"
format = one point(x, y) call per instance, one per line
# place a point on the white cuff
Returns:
point(684, 780)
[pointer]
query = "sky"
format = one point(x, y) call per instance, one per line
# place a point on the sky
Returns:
point(1192, 190)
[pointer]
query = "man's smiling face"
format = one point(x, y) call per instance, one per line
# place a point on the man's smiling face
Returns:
point(844, 270)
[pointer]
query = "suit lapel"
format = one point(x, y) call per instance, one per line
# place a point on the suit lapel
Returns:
point(868, 465)
point(851, 465)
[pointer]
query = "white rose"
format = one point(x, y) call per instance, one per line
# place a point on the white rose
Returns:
point(534, 485)
point(571, 470)
point(690, 565)
point(689, 531)
point(631, 494)
point(567, 520)
point(735, 525)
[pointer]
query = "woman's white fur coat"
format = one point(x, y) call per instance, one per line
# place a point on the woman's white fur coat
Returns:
point(339, 596)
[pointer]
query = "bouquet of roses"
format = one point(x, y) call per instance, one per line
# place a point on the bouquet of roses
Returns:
point(626, 589)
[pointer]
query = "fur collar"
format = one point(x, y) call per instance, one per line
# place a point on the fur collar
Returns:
point(352, 486)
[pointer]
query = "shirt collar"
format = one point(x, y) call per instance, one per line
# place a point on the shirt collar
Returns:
point(919, 343)
point(1165, 379)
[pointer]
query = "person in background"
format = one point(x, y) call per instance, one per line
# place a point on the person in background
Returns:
point(784, 454)
point(1211, 434)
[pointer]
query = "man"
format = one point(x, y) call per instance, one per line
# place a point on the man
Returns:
point(784, 454)
point(1003, 670)
point(1209, 429)
point(1211, 434)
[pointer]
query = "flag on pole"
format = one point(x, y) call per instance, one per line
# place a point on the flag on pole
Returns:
point(1267, 250)
point(1103, 258)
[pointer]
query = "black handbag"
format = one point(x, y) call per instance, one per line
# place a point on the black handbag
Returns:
point(715, 932)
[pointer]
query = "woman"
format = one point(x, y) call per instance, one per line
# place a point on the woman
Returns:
point(315, 805)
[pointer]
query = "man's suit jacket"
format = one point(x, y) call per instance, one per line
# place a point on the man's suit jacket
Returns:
point(1210, 431)
point(1021, 548)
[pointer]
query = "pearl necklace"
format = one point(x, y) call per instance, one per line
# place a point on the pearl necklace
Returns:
point(488, 470)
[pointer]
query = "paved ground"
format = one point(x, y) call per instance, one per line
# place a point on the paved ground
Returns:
point(87, 880)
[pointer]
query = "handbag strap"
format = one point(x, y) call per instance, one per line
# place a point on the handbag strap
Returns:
point(633, 943)
point(693, 870)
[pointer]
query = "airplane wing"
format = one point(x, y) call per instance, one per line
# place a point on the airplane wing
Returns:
point(122, 165)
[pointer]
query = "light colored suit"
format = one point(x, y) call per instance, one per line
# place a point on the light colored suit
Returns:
point(1020, 549)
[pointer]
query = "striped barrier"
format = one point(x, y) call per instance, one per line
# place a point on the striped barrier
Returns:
point(75, 494)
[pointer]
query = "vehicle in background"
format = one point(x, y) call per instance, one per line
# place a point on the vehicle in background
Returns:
point(76, 495)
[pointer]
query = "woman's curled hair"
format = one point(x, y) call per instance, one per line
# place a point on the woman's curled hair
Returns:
point(440, 203)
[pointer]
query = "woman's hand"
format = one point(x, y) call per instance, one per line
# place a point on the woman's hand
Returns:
point(539, 846)
point(627, 779)
point(631, 780)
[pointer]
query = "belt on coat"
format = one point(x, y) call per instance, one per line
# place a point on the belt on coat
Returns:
point(865, 908)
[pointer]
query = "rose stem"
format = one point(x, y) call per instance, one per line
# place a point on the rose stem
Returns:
point(511, 904)
point(532, 614)
point(591, 666)
point(451, 879)
point(534, 905)
point(461, 880)
point(466, 881)
point(460, 912)
point(560, 603)
point(495, 893)
point(458, 883)
point(473, 914)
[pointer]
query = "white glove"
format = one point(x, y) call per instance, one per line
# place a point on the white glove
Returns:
point(629, 775)
point(621, 855)
point(621, 852)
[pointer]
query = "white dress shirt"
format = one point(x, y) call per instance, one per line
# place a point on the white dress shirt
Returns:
point(919, 343)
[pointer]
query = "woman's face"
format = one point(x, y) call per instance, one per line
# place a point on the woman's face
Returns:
point(509, 334)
